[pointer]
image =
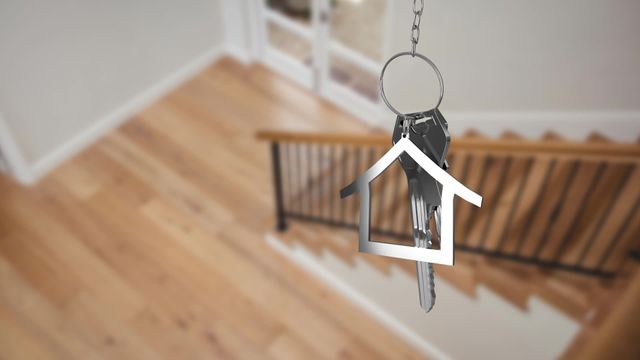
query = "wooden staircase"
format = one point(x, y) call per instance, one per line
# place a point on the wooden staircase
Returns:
point(558, 222)
point(575, 295)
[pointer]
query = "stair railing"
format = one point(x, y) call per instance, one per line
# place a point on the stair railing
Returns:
point(554, 204)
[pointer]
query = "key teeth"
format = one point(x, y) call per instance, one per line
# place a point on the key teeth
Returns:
point(427, 289)
point(432, 288)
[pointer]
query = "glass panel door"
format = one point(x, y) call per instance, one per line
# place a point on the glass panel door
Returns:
point(356, 47)
point(288, 37)
point(359, 26)
point(336, 47)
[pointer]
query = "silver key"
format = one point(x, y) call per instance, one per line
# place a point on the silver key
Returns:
point(429, 132)
point(422, 238)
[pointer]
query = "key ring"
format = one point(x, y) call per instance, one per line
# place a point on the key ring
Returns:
point(433, 66)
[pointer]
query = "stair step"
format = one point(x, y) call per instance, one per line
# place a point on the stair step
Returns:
point(462, 276)
point(510, 282)
point(597, 138)
point(573, 294)
point(510, 135)
point(551, 136)
point(306, 236)
point(528, 212)
point(472, 134)
point(564, 295)
point(342, 244)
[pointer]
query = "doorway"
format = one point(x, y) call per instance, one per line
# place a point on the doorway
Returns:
point(334, 47)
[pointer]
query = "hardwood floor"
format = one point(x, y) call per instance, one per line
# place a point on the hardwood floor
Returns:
point(150, 243)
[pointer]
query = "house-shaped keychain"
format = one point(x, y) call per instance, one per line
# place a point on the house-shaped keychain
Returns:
point(450, 188)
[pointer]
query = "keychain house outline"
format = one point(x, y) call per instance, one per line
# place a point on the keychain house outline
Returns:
point(450, 188)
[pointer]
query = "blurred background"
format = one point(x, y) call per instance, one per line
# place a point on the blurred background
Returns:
point(170, 172)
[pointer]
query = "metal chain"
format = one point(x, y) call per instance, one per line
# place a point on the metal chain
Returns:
point(415, 28)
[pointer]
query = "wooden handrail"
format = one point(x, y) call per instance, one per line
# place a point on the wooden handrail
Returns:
point(325, 138)
point(611, 152)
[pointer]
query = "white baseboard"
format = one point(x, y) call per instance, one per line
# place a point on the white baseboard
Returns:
point(238, 53)
point(124, 112)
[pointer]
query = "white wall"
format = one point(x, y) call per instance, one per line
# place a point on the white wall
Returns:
point(66, 66)
point(237, 27)
point(575, 61)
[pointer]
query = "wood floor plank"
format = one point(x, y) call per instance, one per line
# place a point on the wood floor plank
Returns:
point(17, 342)
point(289, 347)
point(40, 318)
point(150, 244)
point(251, 281)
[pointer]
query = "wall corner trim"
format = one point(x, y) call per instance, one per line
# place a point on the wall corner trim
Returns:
point(15, 160)
point(238, 53)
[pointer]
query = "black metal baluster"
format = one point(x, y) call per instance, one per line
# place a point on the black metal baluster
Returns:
point(557, 208)
point(516, 202)
point(396, 227)
point(372, 157)
point(615, 240)
point(290, 172)
point(596, 230)
point(487, 163)
point(397, 177)
point(370, 161)
point(309, 189)
point(633, 255)
point(320, 179)
point(299, 196)
point(595, 180)
point(322, 171)
point(465, 169)
point(499, 191)
point(332, 183)
point(379, 218)
point(277, 185)
point(345, 181)
point(536, 206)
point(355, 171)
point(463, 178)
